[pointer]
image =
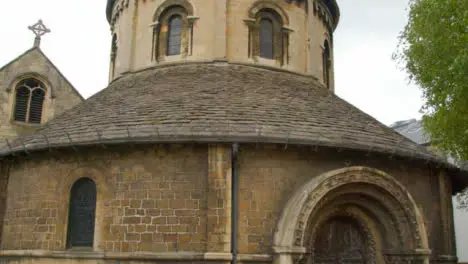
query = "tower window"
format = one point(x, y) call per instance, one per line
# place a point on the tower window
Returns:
point(174, 35)
point(113, 54)
point(30, 95)
point(173, 29)
point(266, 39)
point(82, 213)
point(326, 63)
point(268, 34)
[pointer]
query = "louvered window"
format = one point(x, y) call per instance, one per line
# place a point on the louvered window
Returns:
point(35, 107)
point(30, 95)
point(82, 213)
point(266, 39)
point(174, 35)
point(22, 100)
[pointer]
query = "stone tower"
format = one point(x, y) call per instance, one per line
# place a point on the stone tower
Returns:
point(291, 35)
point(220, 140)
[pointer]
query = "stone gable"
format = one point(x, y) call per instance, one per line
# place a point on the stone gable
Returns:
point(60, 94)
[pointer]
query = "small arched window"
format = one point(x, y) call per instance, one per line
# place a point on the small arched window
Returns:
point(266, 39)
point(174, 35)
point(268, 34)
point(82, 213)
point(326, 63)
point(30, 95)
point(173, 29)
point(113, 54)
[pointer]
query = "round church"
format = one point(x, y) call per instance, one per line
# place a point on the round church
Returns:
point(219, 140)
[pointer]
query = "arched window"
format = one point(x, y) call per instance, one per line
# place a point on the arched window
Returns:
point(268, 35)
point(82, 213)
point(113, 54)
point(174, 35)
point(30, 95)
point(173, 29)
point(266, 38)
point(326, 63)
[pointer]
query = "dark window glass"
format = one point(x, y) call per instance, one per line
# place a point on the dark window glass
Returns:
point(113, 53)
point(174, 35)
point(35, 108)
point(114, 47)
point(266, 39)
point(82, 214)
point(326, 64)
point(21, 105)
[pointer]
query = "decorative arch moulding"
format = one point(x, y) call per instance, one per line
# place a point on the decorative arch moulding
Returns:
point(34, 75)
point(292, 235)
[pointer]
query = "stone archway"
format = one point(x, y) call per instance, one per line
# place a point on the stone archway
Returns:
point(366, 205)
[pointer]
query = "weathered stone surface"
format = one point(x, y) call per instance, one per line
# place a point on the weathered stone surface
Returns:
point(192, 211)
point(127, 218)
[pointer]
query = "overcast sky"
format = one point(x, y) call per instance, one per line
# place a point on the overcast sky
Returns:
point(365, 39)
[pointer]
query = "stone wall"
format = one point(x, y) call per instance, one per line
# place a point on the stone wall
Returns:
point(277, 174)
point(3, 194)
point(151, 199)
point(60, 96)
point(167, 199)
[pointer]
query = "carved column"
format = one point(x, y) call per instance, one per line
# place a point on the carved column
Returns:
point(285, 45)
point(156, 27)
point(191, 21)
point(252, 51)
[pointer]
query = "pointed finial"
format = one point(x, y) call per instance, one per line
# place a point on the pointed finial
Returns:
point(39, 29)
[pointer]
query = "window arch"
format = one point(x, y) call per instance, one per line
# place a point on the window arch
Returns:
point(82, 211)
point(326, 57)
point(29, 101)
point(173, 29)
point(268, 34)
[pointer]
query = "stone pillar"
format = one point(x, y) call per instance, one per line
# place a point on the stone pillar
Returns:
point(4, 171)
point(444, 197)
point(446, 217)
point(218, 229)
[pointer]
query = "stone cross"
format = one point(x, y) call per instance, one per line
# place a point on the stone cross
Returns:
point(39, 29)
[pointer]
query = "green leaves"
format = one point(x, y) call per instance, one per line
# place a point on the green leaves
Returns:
point(434, 51)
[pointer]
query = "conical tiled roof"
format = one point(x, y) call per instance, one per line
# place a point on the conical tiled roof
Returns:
point(221, 102)
point(218, 103)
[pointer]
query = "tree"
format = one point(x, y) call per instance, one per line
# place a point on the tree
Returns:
point(433, 49)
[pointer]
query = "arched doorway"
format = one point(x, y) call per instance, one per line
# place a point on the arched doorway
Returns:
point(340, 240)
point(355, 215)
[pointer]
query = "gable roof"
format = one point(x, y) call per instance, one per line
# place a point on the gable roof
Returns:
point(48, 61)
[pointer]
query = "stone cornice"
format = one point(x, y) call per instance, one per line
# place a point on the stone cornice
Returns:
point(331, 5)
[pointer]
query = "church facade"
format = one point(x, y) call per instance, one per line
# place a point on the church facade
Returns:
point(220, 140)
